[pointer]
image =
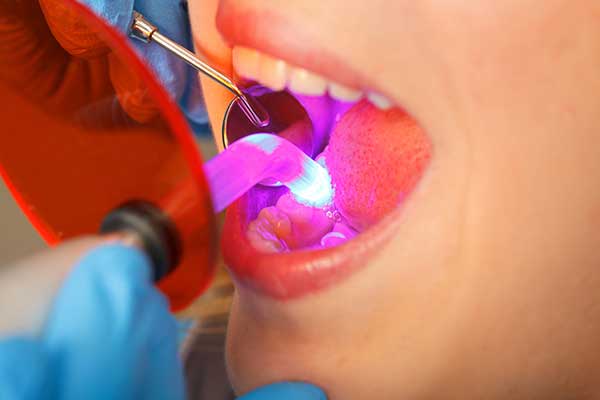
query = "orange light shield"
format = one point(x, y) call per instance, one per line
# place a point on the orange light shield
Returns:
point(88, 129)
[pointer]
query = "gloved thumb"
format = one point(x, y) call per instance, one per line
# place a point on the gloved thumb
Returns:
point(22, 369)
point(92, 337)
point(287, 391)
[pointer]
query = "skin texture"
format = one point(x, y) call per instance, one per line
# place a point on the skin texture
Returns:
point(490, 287)
point(361, 147)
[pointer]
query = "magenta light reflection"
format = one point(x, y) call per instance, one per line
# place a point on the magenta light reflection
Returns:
point(262, 156)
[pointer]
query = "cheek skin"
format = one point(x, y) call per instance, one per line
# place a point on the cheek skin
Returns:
point(388, 327)
point(217, 99)
point(209, 44)
point(345, 349)
point(489, 288)
point(533, 190)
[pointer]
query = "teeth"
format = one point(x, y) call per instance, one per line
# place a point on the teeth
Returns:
point(380, 101)
point(265, 231)
point(305, 82)
point(288, 225)
point(341, 92)
point(272, 73)
point(276, 74)
point(247, 62)
point(338, 235)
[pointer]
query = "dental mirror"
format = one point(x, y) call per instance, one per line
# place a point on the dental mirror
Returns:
point(89, 128)
point(288, 119)
point(253, 110)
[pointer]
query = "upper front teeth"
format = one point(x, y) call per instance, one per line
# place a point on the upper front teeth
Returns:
point(276, 74)
point(379, 100)
point(305, 82)
point(340, 92)
point(272, 72)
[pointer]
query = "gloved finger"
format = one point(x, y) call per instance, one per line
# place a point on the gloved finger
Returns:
point(23, 32)
point(132, 93)
point(116, 13)
point(72, 32)
point(286, 390)
point(163, 370)
point(23, 369)
point(80, 40)
point(35, 63)
point(170, 16)
point(92, 335)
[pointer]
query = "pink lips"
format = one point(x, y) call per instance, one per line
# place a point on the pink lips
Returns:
point(267, 32)
point(290, 275)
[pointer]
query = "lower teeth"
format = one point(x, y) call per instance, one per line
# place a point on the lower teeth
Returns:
point(340, 233)
point(289, 225)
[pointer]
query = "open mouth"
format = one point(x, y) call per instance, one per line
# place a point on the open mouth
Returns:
point(375, 153)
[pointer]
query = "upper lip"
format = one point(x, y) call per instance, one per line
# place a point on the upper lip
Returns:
point(270, 33)
point(290, 275)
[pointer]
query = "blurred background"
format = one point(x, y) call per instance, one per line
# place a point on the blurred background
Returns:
point(17, 236)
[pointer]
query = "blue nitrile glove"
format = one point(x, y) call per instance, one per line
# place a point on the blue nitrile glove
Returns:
point(171, 18)
point(286, 391)
point(109, 336)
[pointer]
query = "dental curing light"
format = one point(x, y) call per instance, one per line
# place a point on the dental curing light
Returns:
point(79, 160)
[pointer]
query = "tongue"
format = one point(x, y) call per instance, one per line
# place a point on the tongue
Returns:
point(375, 159)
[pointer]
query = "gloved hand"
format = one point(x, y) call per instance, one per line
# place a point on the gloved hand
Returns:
point(286, 391)
point(47, 50)
point(109, 336)
point(171, 17)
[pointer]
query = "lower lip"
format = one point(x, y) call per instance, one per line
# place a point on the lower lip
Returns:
point(286, 276)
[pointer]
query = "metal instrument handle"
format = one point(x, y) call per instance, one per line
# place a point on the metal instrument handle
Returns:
point(143, 30)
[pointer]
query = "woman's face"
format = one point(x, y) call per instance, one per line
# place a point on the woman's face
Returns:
point(484, 283)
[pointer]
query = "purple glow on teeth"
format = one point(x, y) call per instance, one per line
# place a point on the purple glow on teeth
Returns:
point(262, 156)
point(333, 238)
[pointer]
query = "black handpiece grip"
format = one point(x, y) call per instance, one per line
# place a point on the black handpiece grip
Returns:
point(153, 230)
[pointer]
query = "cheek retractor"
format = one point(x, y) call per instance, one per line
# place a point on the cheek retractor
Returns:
point(262, 156)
